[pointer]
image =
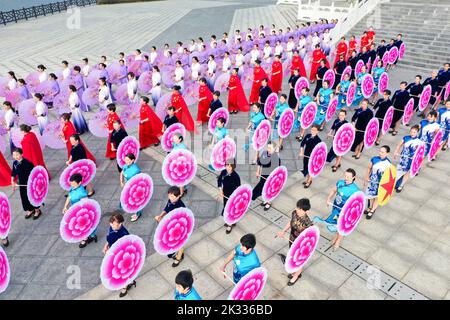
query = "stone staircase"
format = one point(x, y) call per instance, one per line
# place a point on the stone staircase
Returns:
point(425, 26)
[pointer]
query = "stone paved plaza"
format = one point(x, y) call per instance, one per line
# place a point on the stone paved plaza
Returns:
point(407, 241)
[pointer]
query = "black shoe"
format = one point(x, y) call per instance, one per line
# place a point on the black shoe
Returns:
point(92, 194)
point(290, 283)
point(5, 244)
point(36, 216)
point(84, 243)
point(133, 284)
point(177, 262)
point(281, 147)
point(123, 294)
point(229, 229)
point(282, 257)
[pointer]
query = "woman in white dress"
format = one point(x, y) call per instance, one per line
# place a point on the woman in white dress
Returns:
point(179, 48)
point(77, 116)
point(42, 74)
point(302, 46)
point(166, 50)
point(226, 64)
point(12, 83)
point(156, 85)
point(153, 55)
point(254, 54)
point(326, 43)
point(132, 87)
point(267, 51)
point(237, 37)
point(195, 69)
point(10, 120)
point(85, 69)
point(192, 46)
point(315, 40)
point(137, 55)
point(290, 45)
point(279, 49)
point(211, 72)
point(240, 61)
point(66, 69)
point(179, 75)
point(104, 95)
point(41, 112)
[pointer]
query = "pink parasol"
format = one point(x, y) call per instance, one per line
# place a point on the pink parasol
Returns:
point(237, 204)
point(387, 121)
point(191, 93)
point(90, 96)
point(221, 82)
point(417, 160)
point(85, 167)
point(401, 51)
point(32, 81)
point(130, 115)
point(145, 83)
point(61, 103)
point(275, 183)
point(167, 138)
point(174, 231)
point(287, 64)
point(358, 67)
point(261, 135)
point(26, 112)
point(383, 82)
point(128, 145)
point(299, 85)
point(80, 220)
point(5, 216)
point(286, 123)
point(37, 186)
point(447, 91)
point(114, 73)
point(425, 97)
point(224, 150)
point(48, 90)
point(93, 77)
point(123, 262)
point(435, 145)
point(137, 192)
point(250, 286)
point(219, 113)
point(308, 115)
point(347, 70)
point(13, 96)
point(317, 160)
point(351, 213)
point(371, 133)
point(163, 103)
point(121, 94)
point(367, 86)
point(97, 125)
point(247, 78)
point(52, 135)
point(5, 271)
point(136, 67)
point(179, 167)
point(343, 139)
point(302, 249)
point(385, 58)
point(409, 112)
point(331, 110)
point(270, 104)
point(4, 86)
point(330, 76)
point(167, 76)
point(351, 91)
point(393, 55)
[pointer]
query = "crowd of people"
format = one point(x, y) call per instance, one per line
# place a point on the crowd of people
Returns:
point(264, 58)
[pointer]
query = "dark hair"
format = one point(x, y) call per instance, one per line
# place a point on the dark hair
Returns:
point(304, 204)
point(38, 96)
point(416, 127)
point(174, 190)
point(284, 96)
point(41, 66)
point(76, 137)
point(85, 60)
point(102, 79)
point(76, 177)
point(111, 107)
point(176, 88)
point(216, 93)
point(433, 113)
point(404, 82)
point(316, 126)
point(265, 80)
point(344, 111)
point(65, 116)
point(130, 156)
point(388, 92)
point(24, 127)
point(221, 120)
point(77, 68)
point(103, 57)
point(52, 75)
point(131, 74)
point(12, 74)
point(387, 148)
point(7, 103)
point(202, 79)
point(179, 135)
point(256, 104)
point(185, 279)
point(116, 218)
point(156, 68)
point(352, 171)
point(171, 108)
point(248, 241)
point(145, 99)
point(327, 82)
point(72, 88)
point(419, 76)
point(18, 150)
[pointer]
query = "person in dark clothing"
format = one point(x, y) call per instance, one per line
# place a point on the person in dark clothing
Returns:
point(363, 55)
point(117, 136)
point(228, 181)
point(360, 120)
point(337, 124)
point(338, 70)
point(319, 76)
point(433, 81)
point(398, 43)
point(443, 79)
point(399, 101)
point(170, 118)
point(415, 90)
point(264, 92)
point(381, 107)
point(306, 147)
point(267, 162)
point(381, 50)
point(372, 54)
point(292, 101)
point(21, 169)
point(78, 152)
point(215, 103)
point(352, 63)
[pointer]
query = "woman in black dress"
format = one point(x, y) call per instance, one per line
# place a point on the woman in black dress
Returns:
point(292, 101)
point(306, 147)
point(117, 136)
point(228, 181)
point(360, 120)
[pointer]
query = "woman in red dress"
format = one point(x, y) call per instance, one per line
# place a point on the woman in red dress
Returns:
point(297, 63)
point(5, 172)
point(32, 148)
point(67, 131)
point(340, 50)
point(258, 75)
point(205, 98)
point(237, 101)
point(352, 45)
point(317, 56)
point(149, 125)
point(277, 74)
point(112, 116)
point(181, 109)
